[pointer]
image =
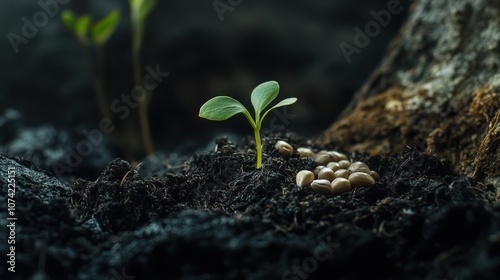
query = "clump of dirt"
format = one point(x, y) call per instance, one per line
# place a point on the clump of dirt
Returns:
point(221, 182)
point(218, 217)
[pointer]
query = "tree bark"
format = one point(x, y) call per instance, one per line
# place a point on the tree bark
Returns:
point(437, 87)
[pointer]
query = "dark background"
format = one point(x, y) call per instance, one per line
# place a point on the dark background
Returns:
point(46, 98)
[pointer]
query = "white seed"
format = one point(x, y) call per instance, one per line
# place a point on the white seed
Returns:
point(342, 173)
point(344, 164)
point(336, 156)
point(327, 174)
point(317, 169)
point(340, 185)
point(333, 166)
point(358, 166)
point(323, 158)
point(321, 186)
point(374, 175)
point(305, 152)
point(304, 178)
point(284, 148)
point(360, 179)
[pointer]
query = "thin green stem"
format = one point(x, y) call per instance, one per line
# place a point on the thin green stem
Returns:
point(101, 63)
point(143, 104)
point(97, 82)
point(258, 146)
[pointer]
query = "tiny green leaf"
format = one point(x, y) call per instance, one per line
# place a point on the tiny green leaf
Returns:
point(284, 102)
point(139, 10)
point(263, 95)
point(82, 27)
point(221, 108)
point(68, 18)
point(103, 29)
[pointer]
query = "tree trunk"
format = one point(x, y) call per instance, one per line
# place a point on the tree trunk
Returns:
point(437, 87)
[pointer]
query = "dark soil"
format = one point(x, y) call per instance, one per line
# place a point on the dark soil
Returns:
point(215, 216)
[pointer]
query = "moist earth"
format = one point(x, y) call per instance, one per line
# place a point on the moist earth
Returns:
point(212, 215)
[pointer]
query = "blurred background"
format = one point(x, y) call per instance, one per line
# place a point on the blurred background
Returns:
point(46, 97)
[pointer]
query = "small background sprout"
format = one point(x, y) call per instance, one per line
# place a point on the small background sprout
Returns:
point(223, 107)
point(139, 12)
point(96, 34)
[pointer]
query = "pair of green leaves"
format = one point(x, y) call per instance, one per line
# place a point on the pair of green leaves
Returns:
point(224, 107)
point(86, 31)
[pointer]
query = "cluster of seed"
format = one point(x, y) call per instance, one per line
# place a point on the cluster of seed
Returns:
point(335, 174)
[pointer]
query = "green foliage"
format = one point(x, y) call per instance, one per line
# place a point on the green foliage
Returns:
point(79, 26)
point(82, 28)
point(140, 10)
point(68, 18)
point(103, 29)
point(86, 31)
point(221, 108)
point(224, 107)
point(94, 35)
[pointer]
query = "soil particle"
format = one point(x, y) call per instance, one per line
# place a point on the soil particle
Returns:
point(218, 217)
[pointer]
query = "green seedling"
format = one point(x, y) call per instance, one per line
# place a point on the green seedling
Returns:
point(87, 32)
point(224, 107)
point(139, 11)
point(96, 34)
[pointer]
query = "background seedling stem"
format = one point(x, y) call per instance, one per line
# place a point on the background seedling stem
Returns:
point(140, 10)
